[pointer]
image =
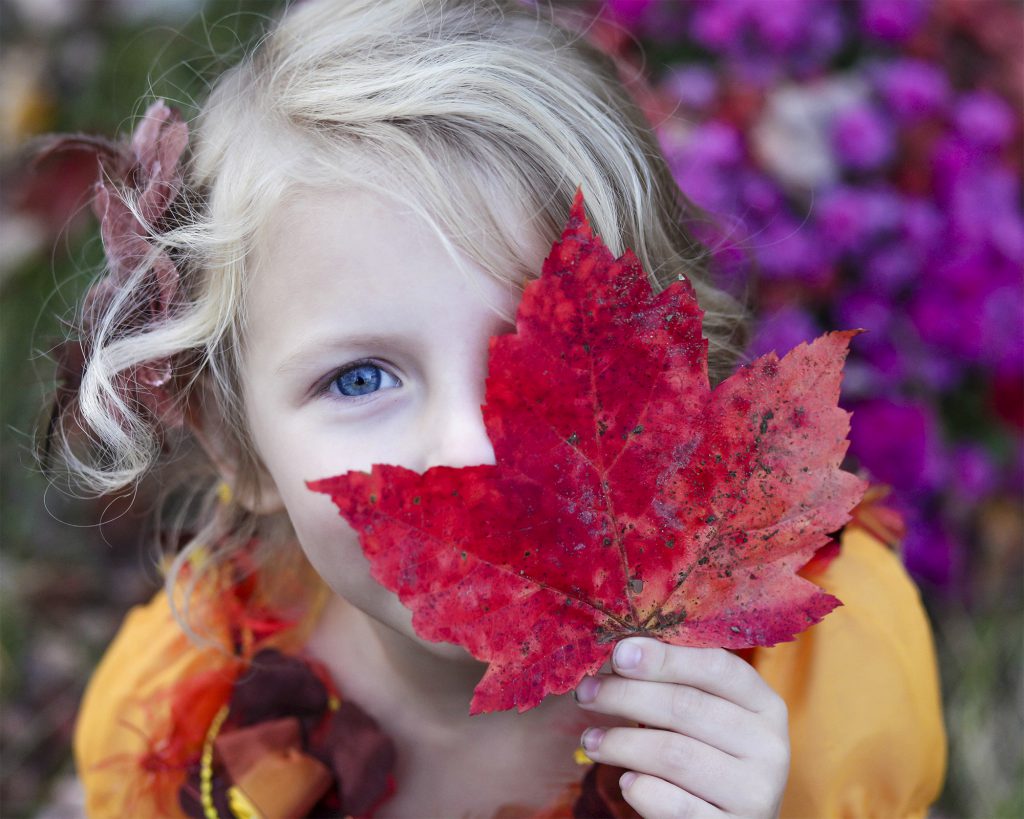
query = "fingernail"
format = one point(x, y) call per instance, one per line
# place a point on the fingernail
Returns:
point(586, 691)
point(626, 655)
point(627, 779)
point(591, 739)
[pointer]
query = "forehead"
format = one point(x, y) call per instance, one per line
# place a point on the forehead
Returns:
point(366, 262)
point(357, 235)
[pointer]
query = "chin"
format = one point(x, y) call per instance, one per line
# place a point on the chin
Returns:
point(402, 623)
point(448, 651)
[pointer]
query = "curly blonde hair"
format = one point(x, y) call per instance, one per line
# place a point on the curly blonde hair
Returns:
point(460, 104)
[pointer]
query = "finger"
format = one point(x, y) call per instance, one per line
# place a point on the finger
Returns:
point(655, 798)
point(680, 708)
point(680, 760)
point(714, 670)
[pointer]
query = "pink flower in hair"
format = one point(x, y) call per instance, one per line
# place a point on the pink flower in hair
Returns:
point(138, 182)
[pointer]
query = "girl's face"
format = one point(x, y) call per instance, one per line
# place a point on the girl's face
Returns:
point(365, 344)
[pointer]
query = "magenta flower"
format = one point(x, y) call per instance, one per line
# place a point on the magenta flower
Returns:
point(912, 89)
point(694, 85)
point(786, 249)
point(629, 13)
point(897, 442)
point(852, 217)
point(973, 472)
point(893, 20)
point(930, 552)
point(782, 330)
point(760, 41)
point(985, 119)
point(862, 138)
point(893, 267)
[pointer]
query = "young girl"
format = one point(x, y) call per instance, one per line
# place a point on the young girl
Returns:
point(309, 288)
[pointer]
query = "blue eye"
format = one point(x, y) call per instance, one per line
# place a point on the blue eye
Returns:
point(363, 378)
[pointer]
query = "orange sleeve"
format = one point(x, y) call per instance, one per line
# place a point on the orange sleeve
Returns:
point(862, 688)
point(129, 760)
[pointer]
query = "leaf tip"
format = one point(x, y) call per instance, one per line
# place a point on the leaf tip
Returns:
point(578, 224)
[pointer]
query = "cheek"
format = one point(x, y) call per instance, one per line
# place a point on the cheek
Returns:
point(330, 544)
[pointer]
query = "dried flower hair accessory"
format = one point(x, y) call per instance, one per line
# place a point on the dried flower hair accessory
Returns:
point(138, 182)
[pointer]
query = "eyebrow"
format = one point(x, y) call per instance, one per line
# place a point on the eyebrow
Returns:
point(297, 359)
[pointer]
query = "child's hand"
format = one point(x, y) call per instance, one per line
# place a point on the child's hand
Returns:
point(716, 741)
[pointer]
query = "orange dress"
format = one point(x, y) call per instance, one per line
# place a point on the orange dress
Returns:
point(866, 729)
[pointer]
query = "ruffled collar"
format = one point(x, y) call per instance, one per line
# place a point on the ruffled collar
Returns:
point(269, 735)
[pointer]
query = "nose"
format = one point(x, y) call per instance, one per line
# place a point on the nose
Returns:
point(455, 435)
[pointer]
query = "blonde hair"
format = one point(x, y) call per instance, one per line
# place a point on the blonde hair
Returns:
point(464, 106)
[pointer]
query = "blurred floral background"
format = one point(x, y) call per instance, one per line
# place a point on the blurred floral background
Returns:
point(861, 160)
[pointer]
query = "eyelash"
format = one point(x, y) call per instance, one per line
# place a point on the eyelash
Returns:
point(325, 388)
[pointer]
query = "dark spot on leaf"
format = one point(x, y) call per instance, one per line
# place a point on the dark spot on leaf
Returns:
point(572, 439)
point(606, 542)
point(764, 421)
point(710, 519)
point(373, 498)
point(416, 500)
point(638, 429)
point(703, 561)
point(636, 585)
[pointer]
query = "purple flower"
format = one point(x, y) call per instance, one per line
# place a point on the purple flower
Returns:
point(912, 89)
point(1002, 329)
point(718, 143)
point(782, 330)
point(929, 553)
point(935, 369)
point(985, 119)
point(866, 310)
point(787, 249)
point(949, 314)
point(893, 20)
point(896, 441)
point(974, 474)
point(760, 194)
point(695, 86)
point(850, 217)
point(922, 224)
point(979, 197)
point(705, 165)
point(783, 23)
point(888, 362)
point(862, 138)
point(717, 24)
point(823, 38)
point(952, 159)
point(759, 40)
point(893, 266)
point(628, 12)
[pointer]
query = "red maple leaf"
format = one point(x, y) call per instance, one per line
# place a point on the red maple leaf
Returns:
point(627, 498)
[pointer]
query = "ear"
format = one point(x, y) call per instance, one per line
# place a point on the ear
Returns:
point(255, 491)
